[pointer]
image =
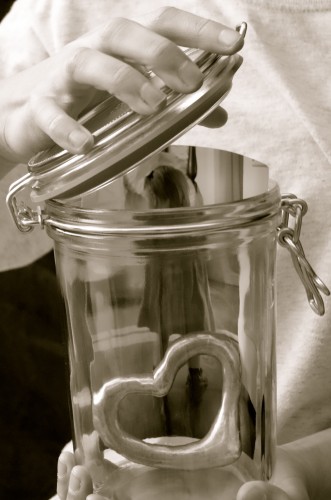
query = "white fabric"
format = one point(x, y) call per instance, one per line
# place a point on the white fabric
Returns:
point(279, 113)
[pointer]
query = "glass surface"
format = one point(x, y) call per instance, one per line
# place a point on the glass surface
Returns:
point(171, 327)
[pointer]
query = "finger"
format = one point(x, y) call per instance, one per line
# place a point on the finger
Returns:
point(80, 484)
point(219, 116)
point(253, 490)
point(190, 30)
point(90, 67)
point(216, 119)
point(65, 465)
point(60, 127)
point(129, 40)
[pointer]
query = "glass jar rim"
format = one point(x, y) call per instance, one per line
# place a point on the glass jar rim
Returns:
point(75, 220)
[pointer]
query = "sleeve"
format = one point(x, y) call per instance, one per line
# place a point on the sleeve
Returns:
point(35, 29)
point(20, 47)
point(29, 33)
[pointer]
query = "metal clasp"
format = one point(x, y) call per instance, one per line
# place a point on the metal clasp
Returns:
point(288, 233)
point(24, 217)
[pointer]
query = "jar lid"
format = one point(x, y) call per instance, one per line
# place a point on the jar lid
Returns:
point(123, 138)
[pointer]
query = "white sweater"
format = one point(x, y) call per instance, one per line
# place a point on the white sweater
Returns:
point(279, 113)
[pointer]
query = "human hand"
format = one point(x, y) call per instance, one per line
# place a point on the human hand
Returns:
point(42, 104)
point(301, 473)
point(288, 482)
point(73, 481)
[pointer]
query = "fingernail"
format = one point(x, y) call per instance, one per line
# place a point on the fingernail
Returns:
point(79, 139)
point(152, 96)
point(229, 37)
point(190, 75)
point(74, 483)
point(242, 29)
point(61, 469)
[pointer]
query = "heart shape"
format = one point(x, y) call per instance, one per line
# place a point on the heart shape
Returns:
point(219, 447)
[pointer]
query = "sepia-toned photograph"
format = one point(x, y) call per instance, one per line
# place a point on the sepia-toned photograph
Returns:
point(165, 250)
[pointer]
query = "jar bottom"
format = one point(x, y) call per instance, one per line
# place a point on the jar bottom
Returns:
point(137, 482)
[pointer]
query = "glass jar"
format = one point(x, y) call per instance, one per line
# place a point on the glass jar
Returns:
point(171, 325)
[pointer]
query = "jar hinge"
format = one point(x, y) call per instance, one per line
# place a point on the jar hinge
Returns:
point(288, 233)
point(24, 217)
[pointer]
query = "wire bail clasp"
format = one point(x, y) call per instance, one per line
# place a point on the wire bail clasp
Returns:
point(289, 237)
point(24, 217)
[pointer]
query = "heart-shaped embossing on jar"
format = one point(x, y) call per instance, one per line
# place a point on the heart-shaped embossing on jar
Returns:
point(219, 447)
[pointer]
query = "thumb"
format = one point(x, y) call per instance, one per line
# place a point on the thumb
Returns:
point(216, 119)
point(259, 490)
point(80, 484)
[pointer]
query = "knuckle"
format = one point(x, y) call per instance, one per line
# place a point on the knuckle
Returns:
point(165, 14)
point(76, 59)
point(55, 124)
point(41, 109)
point(161, 50)
point(121, 75)
point(116, 28)
point(200, 28)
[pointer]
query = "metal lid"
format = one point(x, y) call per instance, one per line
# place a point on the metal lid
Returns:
point(123, 138)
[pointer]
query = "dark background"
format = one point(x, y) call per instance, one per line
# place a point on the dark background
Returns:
point(5, 6)
point(34, 416)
